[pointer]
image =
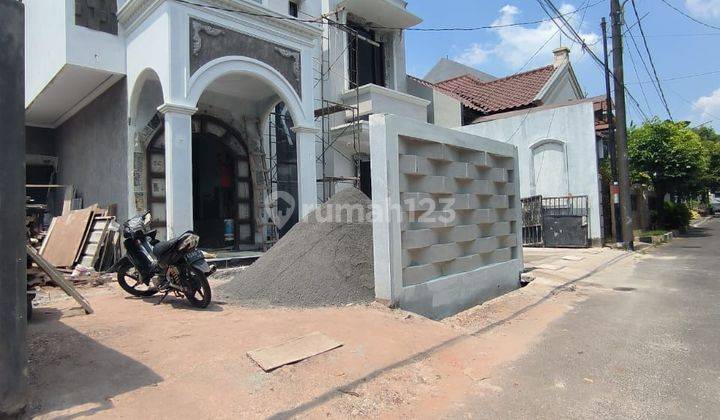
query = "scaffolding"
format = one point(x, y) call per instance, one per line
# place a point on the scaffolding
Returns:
point(267, 163)
point(325, 109)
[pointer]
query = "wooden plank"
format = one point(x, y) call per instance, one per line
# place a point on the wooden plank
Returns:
point(68, 200)
point(295, 350)
point(47, 235)
point(58, 279)
point(66, 238)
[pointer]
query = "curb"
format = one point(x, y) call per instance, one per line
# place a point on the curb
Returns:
point(701, 222)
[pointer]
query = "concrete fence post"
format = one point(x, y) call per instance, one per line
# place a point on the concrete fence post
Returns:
point(13, 284)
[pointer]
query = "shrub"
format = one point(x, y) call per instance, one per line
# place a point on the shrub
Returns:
point(673, 216)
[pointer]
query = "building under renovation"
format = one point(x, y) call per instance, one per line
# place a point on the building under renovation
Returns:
point(235, 118)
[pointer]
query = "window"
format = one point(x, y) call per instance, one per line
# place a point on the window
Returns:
point(367, 61)
point(293, 9)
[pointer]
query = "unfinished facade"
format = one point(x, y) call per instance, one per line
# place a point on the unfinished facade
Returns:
point(213, 115)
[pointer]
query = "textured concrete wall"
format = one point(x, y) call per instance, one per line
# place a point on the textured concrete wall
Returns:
point(13, 285)
point(446, 236)
point(92, 150)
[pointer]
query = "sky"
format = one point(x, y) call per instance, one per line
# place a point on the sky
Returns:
point(679, 47)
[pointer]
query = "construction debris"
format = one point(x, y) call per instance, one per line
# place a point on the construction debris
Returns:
point(87, 236)
point(58, 278)
point(295, 350)
point(321, 261)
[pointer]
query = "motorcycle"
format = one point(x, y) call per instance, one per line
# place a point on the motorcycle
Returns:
point(151, 266)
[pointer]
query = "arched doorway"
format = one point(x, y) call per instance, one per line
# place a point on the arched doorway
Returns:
point(222, 185)
point(223, 213)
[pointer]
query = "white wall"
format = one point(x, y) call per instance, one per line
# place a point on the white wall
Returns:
point(443, 110)
point(45, 44)
point(572, 126)
point(561, 90)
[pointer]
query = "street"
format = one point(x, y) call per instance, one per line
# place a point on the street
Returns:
point(598, 333)
point(650, 349)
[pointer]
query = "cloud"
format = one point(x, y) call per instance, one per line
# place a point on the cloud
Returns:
point(708, 106)
point(516, 44)
point(708, 9)
point(474, 55)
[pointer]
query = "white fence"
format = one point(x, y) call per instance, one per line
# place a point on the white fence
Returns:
point(447, 216)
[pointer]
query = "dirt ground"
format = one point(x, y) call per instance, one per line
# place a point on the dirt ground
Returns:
point(133, 358)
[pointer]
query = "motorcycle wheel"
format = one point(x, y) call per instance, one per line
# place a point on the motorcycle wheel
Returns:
point(129, 280)
point(200, 294)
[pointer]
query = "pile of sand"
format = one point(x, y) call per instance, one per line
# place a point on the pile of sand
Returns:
point(322, 261)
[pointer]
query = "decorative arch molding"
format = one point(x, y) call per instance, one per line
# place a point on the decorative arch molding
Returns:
point(543, 142)
point(140, 136)
point(219, 67)
point(564, 175)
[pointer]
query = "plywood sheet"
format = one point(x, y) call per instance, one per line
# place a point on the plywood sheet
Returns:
point(67, 237)
point(295, 350)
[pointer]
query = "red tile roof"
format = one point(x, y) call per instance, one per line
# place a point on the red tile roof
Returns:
point(512, 92)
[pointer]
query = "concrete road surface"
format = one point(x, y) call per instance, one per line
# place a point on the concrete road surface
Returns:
point(649, 348)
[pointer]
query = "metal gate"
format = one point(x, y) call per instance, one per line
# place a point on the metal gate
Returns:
point(556, 221)
point(532, 221)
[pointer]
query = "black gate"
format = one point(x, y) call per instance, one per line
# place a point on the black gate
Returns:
point(532, 221)
point(560, 222)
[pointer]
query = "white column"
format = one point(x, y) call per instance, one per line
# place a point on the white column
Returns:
point(178, 168)
point(307, 169)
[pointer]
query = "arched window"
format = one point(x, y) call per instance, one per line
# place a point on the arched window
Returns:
point(549, 168)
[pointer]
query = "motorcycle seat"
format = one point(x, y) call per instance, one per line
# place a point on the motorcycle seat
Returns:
point(165, 247)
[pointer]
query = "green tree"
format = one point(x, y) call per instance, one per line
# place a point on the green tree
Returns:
point(707, 134)
point(670, 155)
point(711, 142)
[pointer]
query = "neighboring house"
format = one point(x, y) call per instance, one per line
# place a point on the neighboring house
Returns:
point(559, 133)
point(447, 69)
point(233, 95)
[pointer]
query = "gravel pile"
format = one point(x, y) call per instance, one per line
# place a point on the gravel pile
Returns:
point(324, 260)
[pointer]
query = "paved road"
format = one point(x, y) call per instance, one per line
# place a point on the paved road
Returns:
point(651, 351)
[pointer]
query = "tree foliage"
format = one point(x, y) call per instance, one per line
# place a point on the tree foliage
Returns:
point(670, 156)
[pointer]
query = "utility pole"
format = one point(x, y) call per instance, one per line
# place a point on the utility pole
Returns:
point(614, 189)
point(621, 125)
point(13, 283)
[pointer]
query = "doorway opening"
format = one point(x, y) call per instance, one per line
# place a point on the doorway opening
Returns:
point(223, 213)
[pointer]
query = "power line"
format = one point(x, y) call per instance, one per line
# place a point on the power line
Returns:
point(537, 52)
point(324, 18)
point(637, 75)
point(688, 76)
point(652, 62)
point(584, 45)
point(478, 28)
point(690, 17)
point(645, 66)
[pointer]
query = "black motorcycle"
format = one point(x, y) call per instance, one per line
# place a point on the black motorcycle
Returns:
point(151, 266)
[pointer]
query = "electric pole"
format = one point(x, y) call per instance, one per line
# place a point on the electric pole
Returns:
point(621, 125)
point(617, 220)
point(13, 283)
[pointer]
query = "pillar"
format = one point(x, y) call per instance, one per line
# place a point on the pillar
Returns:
point(178, 168)
point(307, 169)
point(13, 284)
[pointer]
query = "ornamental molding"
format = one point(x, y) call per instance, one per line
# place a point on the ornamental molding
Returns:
point(293, 55)
point(134, 12)
point(199, 26)
point(170, 108)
